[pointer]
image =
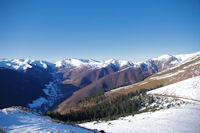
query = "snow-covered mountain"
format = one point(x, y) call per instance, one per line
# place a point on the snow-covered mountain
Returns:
point(23, 64)
point(14, 120)
point(182, 117)
point(90, 63)
point(178, 58)
point(167, 61)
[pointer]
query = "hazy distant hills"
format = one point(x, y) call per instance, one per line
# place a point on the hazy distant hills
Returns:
point(42, 85)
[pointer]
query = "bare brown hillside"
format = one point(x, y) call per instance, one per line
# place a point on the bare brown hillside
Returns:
point(166, 77)
point(128, 76)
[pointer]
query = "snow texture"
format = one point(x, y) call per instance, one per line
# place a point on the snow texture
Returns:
point(189, 88)
point(185, 57)
point(14, 120)
point(184, 119)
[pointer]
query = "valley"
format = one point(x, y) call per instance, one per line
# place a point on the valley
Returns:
point(101, 94)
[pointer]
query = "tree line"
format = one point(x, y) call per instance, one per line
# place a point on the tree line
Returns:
point(123, 105)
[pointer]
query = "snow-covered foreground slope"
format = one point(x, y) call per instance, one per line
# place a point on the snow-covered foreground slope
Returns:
point(178, 119)
point(14, 120)
point(184, 119)
point(188, 89)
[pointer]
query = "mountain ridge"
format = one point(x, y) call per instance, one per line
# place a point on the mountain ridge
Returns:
point(23, 64)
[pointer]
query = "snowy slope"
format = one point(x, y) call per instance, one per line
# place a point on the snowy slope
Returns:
point(14, 120)
point(189, 88)
point(177, 58)
point(185, 57)
point(184, 119)
point(178, 119)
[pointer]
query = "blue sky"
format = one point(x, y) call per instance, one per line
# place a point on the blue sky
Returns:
point(100, 29)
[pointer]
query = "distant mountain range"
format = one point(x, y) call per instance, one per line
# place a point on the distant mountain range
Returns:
point(42, 85)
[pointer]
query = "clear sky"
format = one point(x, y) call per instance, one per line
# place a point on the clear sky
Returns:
point(133, 30)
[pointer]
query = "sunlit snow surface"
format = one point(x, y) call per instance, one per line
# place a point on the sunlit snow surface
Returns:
point(184, 119)
point(18, 121)
point(178, 119)
point(189, 89)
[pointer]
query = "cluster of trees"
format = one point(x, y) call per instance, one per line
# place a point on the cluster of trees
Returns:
point(122, 105)
point(98, 96)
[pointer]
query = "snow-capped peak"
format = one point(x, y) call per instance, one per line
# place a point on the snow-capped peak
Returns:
point(22, 64)
point(17, 64)
point(91, 63)
point(163, 57)
point(76, 62)
point(178, 58)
